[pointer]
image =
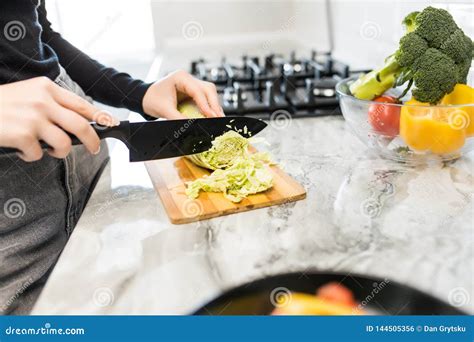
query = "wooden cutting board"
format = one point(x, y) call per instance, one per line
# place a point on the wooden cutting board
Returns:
point(170, 175)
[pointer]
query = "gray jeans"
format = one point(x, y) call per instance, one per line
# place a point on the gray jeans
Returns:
point(40, 203)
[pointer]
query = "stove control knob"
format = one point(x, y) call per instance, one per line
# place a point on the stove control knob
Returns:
point(239, 96)
point(194, 67)
point(228, 96)
point(292, 57)
point(269, 62)
point(269, 96)
point(306, 67)
point(328, 65)
point(214, 74)
point(245, 62)
point(309, 90)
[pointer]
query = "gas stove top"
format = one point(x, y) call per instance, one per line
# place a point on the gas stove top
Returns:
point(302, 86)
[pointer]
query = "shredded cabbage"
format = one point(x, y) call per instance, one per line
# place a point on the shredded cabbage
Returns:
point(246, 176)
point(237, 172)
point(225, 149)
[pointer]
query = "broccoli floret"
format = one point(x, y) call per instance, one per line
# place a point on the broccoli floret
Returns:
point(462, 70)
point(435, 25)
point(411, 47)
point(457, 46)
point(434, 55)
point(432, 86)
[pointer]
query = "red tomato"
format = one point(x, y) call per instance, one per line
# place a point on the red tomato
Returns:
point(385, 119)
point(336, 292)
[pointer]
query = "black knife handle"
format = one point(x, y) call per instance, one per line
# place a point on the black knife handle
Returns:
point(121, 132)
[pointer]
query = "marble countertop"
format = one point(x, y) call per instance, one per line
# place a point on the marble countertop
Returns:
point(362, 215)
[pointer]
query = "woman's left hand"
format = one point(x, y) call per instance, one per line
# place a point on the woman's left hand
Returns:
point(162, 98)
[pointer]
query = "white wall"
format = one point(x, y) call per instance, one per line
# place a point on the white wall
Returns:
point(365, 31)
point(218, 17)
point(119, 33)
point(114, 31)
point(200, 22)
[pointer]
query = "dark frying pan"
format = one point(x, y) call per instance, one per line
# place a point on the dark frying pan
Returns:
point(379, 296)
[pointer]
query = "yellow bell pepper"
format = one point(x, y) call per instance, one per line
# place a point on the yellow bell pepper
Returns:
point(306, 304)
point(440, 130)
point(462, 94)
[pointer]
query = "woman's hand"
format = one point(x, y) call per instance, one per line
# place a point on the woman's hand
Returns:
point(162, 98)
point(38, 109)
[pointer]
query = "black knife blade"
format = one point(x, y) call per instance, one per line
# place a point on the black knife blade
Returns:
point(170, 138)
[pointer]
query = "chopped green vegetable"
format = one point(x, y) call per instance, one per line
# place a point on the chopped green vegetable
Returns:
point(247, 175)
point(237, 172)
point(189, 110)
point(225, 149)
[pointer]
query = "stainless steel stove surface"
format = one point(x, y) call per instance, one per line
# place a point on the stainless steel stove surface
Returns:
point(303, 86)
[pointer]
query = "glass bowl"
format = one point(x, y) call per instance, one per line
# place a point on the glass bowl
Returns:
point(426, 133)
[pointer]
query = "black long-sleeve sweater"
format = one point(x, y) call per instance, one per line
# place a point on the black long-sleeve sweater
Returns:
point(29, 47)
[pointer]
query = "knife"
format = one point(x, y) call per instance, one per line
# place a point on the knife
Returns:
point(169, 138)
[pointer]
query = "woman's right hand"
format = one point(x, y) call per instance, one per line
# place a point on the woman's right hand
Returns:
point(38, 109)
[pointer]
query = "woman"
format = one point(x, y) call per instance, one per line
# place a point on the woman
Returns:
point(46, 85)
